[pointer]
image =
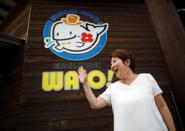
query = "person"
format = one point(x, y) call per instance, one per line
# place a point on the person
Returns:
point(136, 99)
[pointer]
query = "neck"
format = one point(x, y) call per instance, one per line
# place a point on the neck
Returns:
point(129, 77)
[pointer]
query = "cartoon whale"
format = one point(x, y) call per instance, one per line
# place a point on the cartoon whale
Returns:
point(74, 36)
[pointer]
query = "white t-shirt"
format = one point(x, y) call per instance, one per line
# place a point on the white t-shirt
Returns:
point(133, 105)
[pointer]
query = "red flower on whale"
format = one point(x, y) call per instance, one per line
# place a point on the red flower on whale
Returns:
point(86, 37)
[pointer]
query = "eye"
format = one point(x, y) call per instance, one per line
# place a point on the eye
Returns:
point(112, 62)
point(70, 32)
point(57, 34)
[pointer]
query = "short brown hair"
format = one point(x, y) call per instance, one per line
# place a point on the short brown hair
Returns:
point(124, 55)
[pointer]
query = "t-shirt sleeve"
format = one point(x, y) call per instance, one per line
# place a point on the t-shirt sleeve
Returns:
point(106, 95)
point(155, 87)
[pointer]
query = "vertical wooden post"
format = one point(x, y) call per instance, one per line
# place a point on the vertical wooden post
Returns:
point(171, 35)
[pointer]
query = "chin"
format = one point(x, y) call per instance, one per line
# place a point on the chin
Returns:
point(118, 76)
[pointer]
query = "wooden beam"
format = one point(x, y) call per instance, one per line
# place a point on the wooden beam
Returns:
point(9, 41)
point(171, 35)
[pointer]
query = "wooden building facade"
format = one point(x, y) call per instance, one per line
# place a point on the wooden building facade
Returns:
point(149, 29)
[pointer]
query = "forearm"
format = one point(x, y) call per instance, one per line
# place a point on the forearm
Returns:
point(167, 117)
point(90, 95)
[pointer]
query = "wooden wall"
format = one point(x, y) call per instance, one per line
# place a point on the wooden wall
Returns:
point(17, 24)
point(10, 90)
point(10, 95)
point(129, 28)
point(10, 82)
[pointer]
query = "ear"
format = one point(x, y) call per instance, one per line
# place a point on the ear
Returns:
point(127, 62)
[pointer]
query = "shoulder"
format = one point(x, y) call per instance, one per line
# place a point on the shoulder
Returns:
point(149, 77)
point(146, 75)
point(114, 84)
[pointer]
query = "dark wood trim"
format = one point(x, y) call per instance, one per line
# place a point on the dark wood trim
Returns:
point(171, 35)
point(9, 41)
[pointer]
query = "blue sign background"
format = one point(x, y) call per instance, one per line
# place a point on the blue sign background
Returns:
point(74, 57)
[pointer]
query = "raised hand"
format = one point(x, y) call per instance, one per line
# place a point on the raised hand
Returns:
point(82, 74)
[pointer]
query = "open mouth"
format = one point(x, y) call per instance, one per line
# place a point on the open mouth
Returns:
point(115, 70)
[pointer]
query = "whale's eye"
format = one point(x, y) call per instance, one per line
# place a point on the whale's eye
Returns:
point(70, 32)
point(57, 34)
